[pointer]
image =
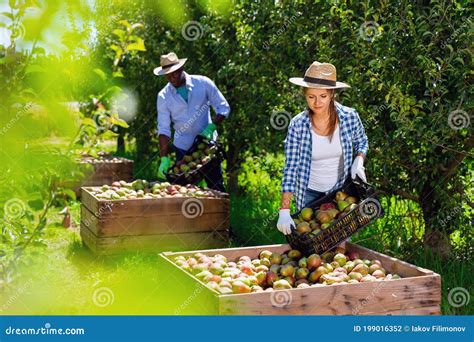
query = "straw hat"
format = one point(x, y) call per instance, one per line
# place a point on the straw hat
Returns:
point(321, 76)
point(169, 63)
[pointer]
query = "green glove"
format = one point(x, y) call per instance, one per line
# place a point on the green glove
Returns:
point(164, 166)
point(209, 131)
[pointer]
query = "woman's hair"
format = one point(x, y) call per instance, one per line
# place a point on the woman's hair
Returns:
point(332, 112)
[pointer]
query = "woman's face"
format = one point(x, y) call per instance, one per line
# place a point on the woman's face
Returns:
point(318, 99)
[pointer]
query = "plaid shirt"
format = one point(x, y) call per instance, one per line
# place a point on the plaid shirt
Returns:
point(298, 150)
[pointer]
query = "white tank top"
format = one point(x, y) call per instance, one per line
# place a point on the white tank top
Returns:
point(327, 161)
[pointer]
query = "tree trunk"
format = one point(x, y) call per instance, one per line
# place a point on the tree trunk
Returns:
point(435, 238)
point(121, 141)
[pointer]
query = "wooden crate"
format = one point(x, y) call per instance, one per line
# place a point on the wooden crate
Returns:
point(155, 224)
point(417, 293)
point(105, 172)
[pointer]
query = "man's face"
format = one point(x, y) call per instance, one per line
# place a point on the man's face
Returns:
point(176, 78)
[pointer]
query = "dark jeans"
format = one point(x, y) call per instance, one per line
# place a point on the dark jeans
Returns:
point(213, 178)
point(312, 195)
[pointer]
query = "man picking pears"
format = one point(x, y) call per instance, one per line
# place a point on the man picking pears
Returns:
point(184, 102)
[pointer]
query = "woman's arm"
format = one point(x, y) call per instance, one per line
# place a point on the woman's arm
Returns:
point(286, 200)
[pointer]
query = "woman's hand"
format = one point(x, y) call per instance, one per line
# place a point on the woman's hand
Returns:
point(285, 221)
point(358, 168)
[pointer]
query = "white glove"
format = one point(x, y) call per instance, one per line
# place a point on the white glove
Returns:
point(285, 221)
point(358, 168)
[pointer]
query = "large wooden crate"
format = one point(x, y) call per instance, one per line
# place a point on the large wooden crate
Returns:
point(155, 224)
point(417, 293)
point(106, 170)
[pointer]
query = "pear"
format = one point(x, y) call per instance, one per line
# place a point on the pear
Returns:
point(275, 259)
point(281, 285)
point(240, 287)
point(287, 270)
point(327, 206)
point(355, 275)
point(314, 276)
point(361, 268)
point(313, 261)
point(294, 254)
point(306, 214)
point(323, 216)
point(340, 196)
point(303, 262)
point(351, 199)
point(303, 227)
point(341, 205)
point(265, 254)
point(302, 273)
point(340, 258)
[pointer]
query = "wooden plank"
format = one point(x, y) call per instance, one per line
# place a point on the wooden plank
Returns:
point(392, 265)
point(189, 295)
point(160, 223)
point(153, 206)
point(341, 299)
point(154, 243)
point(423, 311)
point(88, 239)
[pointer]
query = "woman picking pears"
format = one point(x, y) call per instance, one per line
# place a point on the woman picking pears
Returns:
point(319, 144)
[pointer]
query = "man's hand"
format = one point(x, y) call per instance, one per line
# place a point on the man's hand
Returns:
point(208, 131)
point(164, 167)
point(285, 221)
point(358, 168)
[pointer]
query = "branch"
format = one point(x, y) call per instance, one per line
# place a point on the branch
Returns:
point(385, 183)
point(459, 156)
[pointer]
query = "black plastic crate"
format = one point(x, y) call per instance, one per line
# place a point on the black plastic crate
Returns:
point(368, 209)
point(196, 175)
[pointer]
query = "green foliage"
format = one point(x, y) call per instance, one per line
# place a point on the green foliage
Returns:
point(408, 63)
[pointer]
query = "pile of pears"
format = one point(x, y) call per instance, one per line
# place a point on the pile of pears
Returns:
point(273, 271)
point(314, 221)
point(196, 159)
point(140, 188)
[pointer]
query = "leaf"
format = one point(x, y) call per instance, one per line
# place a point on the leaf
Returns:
point(8, 15)
point(118, 122)
point(139, 45)
point(101, 73)
point(69, 193)
point(119, 33)
point(88, 122)
point(36, 204)
point(117, 73)
point(124, 23)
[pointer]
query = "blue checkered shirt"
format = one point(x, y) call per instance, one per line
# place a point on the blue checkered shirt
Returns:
point(298, 150)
